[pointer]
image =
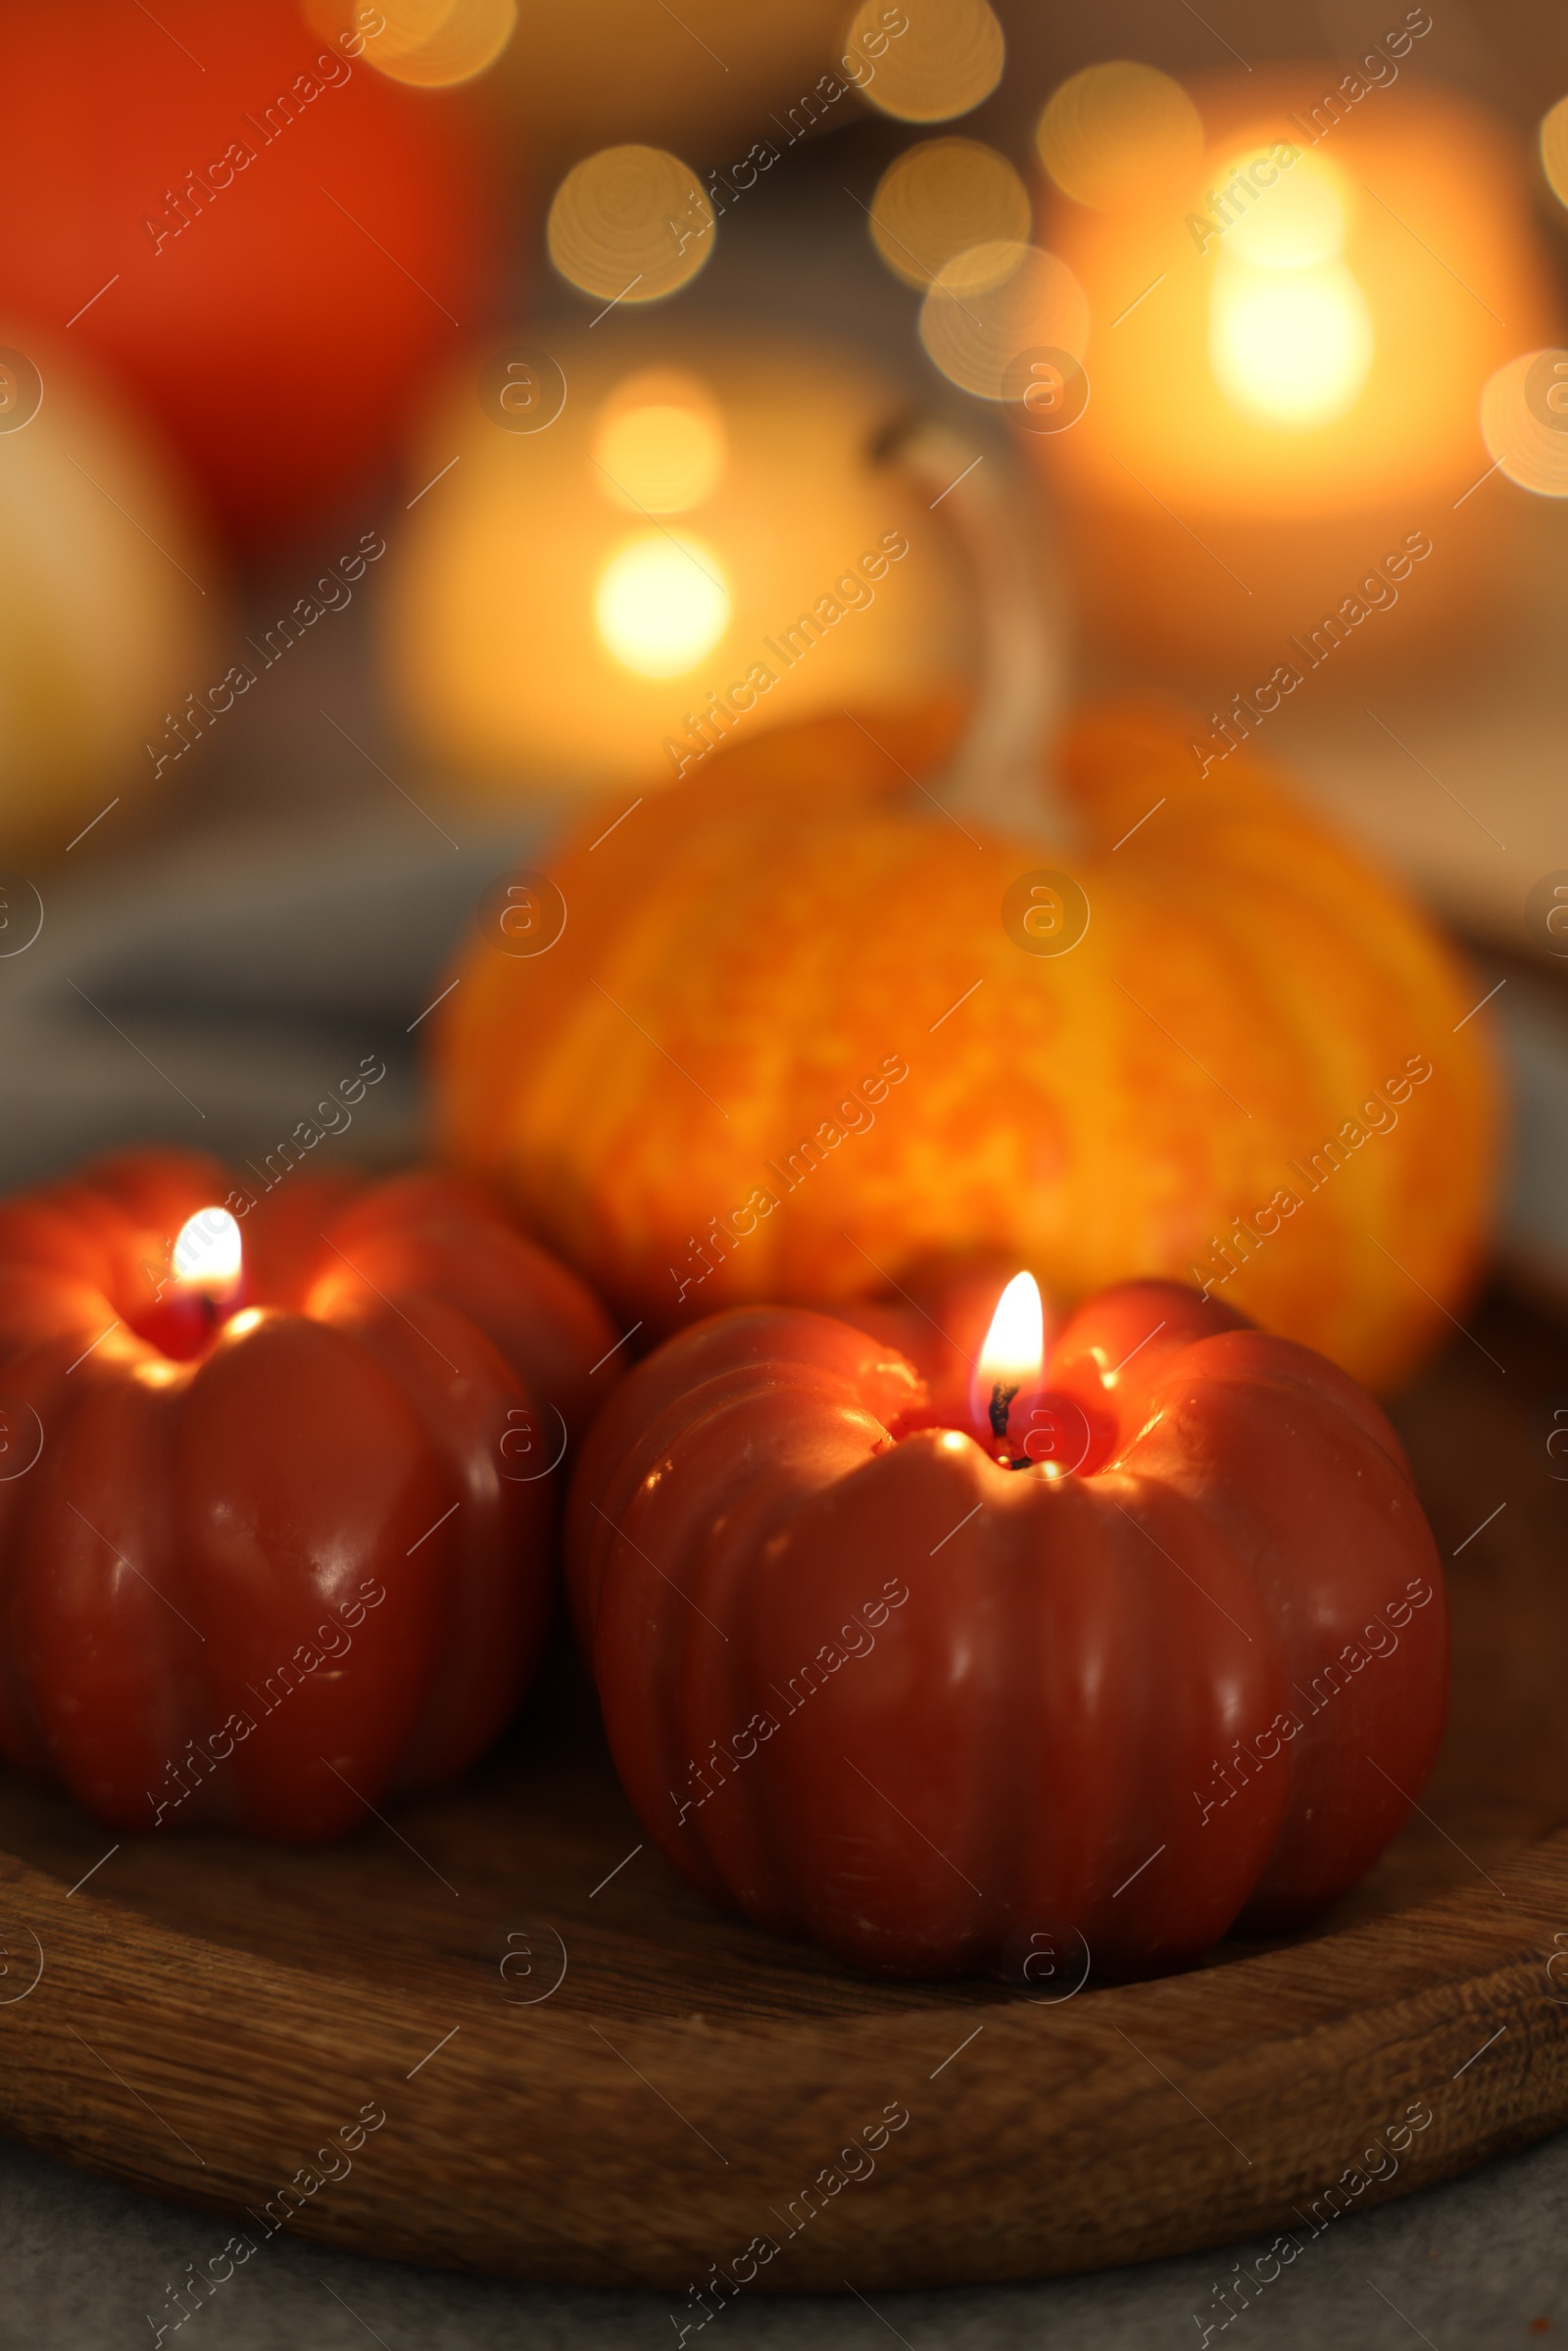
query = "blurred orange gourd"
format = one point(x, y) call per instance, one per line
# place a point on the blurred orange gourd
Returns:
point(788, 1045)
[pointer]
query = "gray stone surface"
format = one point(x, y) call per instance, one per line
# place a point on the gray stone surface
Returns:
point(89, 2267)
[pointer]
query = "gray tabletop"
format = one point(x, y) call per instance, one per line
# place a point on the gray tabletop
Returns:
point(1477, 2266)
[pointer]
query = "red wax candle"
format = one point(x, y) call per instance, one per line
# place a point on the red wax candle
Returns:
point(277, 1484)
point(1185, 1667)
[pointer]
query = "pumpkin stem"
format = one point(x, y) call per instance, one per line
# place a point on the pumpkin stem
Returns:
point(1000, 770)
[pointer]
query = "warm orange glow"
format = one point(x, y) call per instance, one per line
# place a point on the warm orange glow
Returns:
point(1290, 333)
point(207, 1255)
point(524, 639)
point(662, 602)
point(1015, 1346)
point(660, 455)
point(1413, 212)
point(1291, 347)
point(1299, 215)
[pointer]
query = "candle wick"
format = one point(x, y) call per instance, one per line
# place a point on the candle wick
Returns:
point(1000, 1402)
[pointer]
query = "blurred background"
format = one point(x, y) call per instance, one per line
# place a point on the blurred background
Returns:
point(415, 417)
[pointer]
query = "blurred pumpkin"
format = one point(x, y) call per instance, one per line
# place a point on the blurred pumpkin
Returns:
point(631, 555)
point(794, 1035)
point(107, 600)
point(268, 241)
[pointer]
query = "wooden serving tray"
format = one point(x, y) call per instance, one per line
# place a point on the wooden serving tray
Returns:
point(589, 2074)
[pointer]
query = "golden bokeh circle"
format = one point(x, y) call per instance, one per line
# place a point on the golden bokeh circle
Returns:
point(631, 223)
point(947, 59)
point(659, 445)
point(987, 306)
point(662, 603)
point(941, 197)
point(1554, 149)
point(1298, 221)
point(429, 44)
point(1289, 347)
point(1523, 421)
point(1113, 134)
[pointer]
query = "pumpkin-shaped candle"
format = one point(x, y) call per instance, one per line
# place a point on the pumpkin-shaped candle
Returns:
point(276, 1528)
point(1170, 1660)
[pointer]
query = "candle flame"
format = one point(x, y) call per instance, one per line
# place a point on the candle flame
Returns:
point(1011, 1361)
point(662, 603)
point(208, 1252)
point(1015, 1344)
point(1291, 347)
point(1290, 333)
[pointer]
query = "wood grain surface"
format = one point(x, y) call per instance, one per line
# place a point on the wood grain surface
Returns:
point(589, 2074)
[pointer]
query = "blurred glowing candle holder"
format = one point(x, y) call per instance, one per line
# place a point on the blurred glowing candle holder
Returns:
point(1291, 335)
point(654, 540)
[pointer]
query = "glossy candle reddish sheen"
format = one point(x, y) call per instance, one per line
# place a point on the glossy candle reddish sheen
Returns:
point(1056, 1731)
point(194, 1525)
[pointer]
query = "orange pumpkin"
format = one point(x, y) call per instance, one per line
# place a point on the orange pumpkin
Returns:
point(801, 1034)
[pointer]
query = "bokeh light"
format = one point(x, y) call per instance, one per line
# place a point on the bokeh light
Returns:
point(1291, 337)
point(949, 56)
point(941, 197)
point(1115, 133)
point(1523, 421)
point(995, 300)
point(430, 44)
point(631, 223)
point(1554, 149)
point(1298, 221)
point(659, 444)
point(662, 603)
point(1292, 347)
